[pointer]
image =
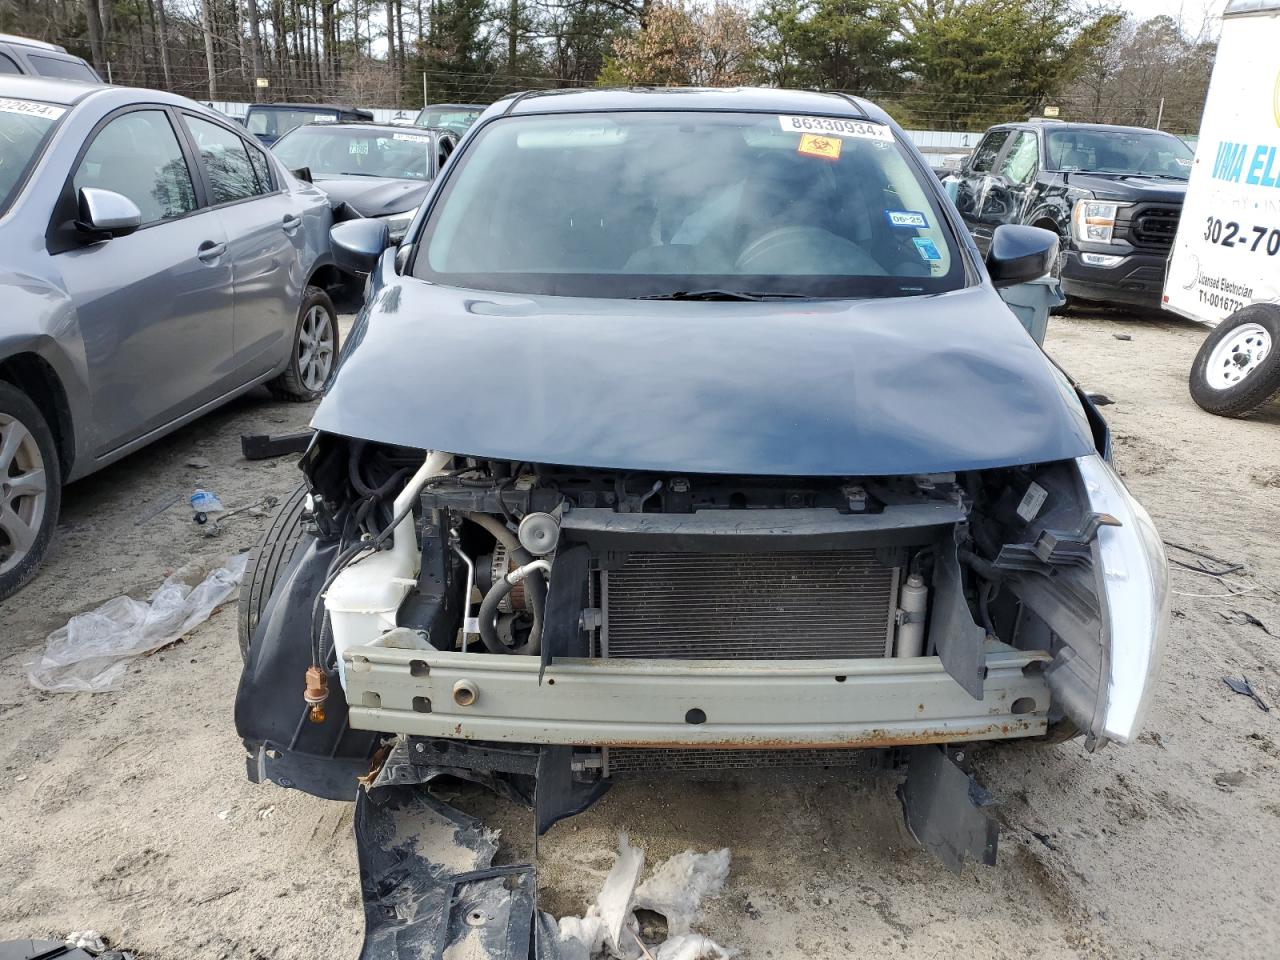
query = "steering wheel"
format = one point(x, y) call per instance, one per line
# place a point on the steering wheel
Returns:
point(808, 248)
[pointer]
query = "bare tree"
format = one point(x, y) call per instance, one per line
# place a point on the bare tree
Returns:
point(206, 28)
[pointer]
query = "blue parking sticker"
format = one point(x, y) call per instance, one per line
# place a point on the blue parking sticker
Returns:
point(906, 218)
point(927, 249)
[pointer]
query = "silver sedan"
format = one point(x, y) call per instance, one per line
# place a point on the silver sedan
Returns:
point(155, 262)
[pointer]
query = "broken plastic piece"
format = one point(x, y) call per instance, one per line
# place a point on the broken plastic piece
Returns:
point(619, 890)
point(946, 810)
point(1244, 687)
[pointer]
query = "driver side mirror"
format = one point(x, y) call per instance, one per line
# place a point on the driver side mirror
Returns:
point(103, 214)
point(1018, 254)
point(358, 244)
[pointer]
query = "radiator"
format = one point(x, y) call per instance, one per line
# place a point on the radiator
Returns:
point(758, 606)
point(632, 761)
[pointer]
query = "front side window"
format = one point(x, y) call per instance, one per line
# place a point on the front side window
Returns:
point(650, 204)
point(232, 175)
point(7, 65)
point(1019, 164)
point(25, 127)
point(277, 121)
point(357, 152)
point(137, 155)
point(1131, 152)
point(987, 151)
point(456, 119)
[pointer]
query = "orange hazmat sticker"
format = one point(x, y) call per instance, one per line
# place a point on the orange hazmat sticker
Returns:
point(814, 145)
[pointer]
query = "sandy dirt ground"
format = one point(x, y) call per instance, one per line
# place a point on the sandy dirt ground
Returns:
point(129, 812)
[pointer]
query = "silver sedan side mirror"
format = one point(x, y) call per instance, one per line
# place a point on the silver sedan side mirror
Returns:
point(105, 213)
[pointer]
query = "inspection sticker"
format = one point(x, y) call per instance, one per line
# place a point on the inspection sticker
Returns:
point(927, 249)
point(411, 137)
point(906, 218)
point(29, 108)
point(1032, 501)
point(837, 127)
point(813, 145)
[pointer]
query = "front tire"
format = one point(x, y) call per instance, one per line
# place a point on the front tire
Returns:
point(30, 488)
point(1238, 367)
point(268, 560)
point(313, 359)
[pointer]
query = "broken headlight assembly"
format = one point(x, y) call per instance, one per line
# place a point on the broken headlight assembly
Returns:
point(1135, 579)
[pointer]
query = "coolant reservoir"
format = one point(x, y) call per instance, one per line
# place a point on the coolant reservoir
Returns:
point(363, 601)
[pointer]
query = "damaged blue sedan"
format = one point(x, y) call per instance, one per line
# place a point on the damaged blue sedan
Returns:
point(688, 429)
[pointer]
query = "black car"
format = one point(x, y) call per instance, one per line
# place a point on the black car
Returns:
point(375, 170)
point(449, 116)
point(1112, 194)
point(271, 121)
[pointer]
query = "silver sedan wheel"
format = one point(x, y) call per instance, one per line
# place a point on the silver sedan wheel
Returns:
point(23, 492)
point(315, 348)
point(1237, 356)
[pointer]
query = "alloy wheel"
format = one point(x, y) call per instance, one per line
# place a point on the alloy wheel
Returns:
point(23, 492)
point(315, 348)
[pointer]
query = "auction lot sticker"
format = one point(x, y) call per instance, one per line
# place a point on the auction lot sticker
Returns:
point(29, 108)
point(837, 127)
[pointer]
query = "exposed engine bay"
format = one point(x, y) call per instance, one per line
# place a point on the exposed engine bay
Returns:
point(515, 623)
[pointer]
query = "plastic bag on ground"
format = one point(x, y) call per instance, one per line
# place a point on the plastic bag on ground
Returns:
point(692, 946)
point(678, 886)
point(92, 652)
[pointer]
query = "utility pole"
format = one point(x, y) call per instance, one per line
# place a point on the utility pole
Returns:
point(1160, 113)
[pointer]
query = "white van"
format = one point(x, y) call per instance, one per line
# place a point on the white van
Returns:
point(1225, 266)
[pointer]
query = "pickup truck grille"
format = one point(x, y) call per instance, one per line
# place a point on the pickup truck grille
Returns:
point(760, 606)
point(1152, 225)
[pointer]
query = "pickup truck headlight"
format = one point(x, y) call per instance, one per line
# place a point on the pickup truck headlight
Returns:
point(1135, 576)
point(398, 223)
point(1094, 221)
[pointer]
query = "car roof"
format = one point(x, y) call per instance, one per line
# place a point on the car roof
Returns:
point(28, 42)
point(455, 106)
point(1072, 125)
point(374, 125)
point(65, 92)
point(306, 106)
point(751, 99)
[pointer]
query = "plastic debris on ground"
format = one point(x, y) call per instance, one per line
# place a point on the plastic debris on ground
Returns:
point(92, 652)
point(90, 940)
point(206, 501)
point(1245, 688)
point(675, 889)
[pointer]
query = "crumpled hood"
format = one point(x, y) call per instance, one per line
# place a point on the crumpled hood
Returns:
point(1130, 189)
point(873, 387)
point(374, 196)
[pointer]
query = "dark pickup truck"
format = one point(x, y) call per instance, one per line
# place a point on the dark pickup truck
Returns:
point(1113, 194)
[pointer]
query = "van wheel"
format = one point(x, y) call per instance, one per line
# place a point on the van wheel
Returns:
point(313, 361)
point(269, 558)
point(30, 488)
point(1238, 367)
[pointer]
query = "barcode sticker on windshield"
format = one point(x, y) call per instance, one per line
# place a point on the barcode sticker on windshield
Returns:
point(29, 108)
point(412, 138)
point(837, 127)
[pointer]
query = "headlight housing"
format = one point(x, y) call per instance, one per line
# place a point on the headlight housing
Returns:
point(1094, 221)
point(1135, 577)
point(398, 223)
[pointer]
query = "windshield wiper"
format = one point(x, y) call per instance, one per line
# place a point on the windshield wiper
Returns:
point(721, 295)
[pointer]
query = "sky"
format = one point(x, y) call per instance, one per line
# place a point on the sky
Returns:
point(1191, 12)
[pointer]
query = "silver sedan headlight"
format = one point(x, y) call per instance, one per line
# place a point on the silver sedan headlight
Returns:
point(1135, 576)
